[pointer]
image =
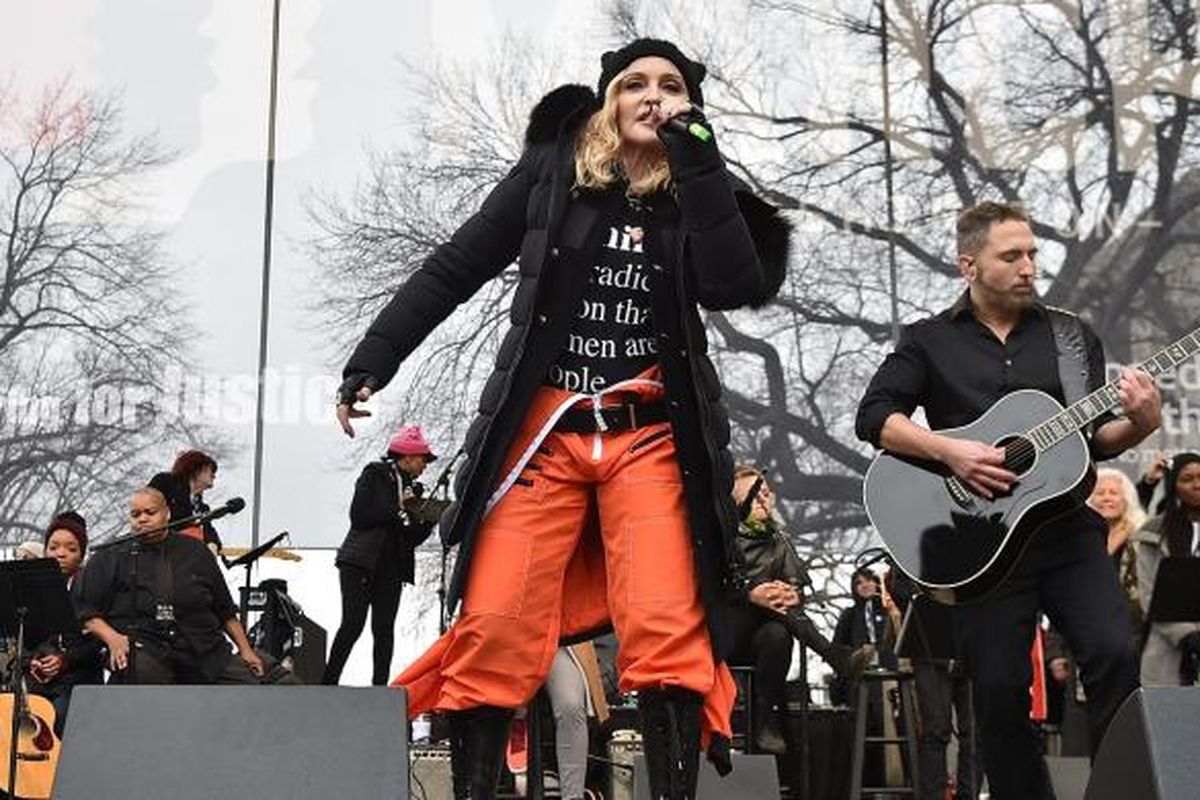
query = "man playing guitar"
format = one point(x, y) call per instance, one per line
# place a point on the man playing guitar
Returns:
point(997, 338)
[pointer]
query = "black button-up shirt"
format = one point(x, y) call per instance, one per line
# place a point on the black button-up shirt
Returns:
point(193, 586)
point(954, 367)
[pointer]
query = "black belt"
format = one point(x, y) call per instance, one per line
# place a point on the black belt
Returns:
point(626, 417)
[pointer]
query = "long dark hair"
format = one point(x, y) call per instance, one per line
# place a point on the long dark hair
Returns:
point(1176, 524)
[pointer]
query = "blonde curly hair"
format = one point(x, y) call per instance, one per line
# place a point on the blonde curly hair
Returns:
point(598, 163)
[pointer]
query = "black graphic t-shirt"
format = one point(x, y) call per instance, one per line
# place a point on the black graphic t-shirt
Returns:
point(611, 337)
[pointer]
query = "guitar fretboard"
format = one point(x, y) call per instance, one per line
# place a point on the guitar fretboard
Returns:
point(1104, 399)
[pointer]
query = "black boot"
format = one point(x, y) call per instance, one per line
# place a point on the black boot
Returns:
point(477, 740)
point(768, 735)
point(671, 738)
point(460, 760)
point(846, 662)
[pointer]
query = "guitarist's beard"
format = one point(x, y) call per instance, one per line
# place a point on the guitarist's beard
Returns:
point(1021, 301)
point(1006, 301)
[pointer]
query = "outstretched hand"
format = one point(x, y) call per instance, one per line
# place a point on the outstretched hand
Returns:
point(355, 389)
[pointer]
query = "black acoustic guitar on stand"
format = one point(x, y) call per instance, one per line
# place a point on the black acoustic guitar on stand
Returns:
point(960, 546)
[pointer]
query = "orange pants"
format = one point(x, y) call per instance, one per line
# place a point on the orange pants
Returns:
point(593, 529)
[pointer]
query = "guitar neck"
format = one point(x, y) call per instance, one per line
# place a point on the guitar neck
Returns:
point(1105, 399)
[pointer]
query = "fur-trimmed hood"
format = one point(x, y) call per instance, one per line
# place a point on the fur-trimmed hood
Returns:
point(565, 109)
point(570, 102)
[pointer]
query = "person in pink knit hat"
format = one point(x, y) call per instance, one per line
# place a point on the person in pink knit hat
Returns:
point(376, 558)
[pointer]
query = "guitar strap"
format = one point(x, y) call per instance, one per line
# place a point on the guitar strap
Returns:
point(1072, 353)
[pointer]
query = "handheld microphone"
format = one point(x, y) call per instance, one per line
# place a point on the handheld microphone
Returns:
point(689, 125)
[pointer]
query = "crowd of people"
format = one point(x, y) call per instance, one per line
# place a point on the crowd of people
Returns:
point(153, 608)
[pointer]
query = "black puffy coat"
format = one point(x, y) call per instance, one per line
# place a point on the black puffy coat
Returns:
point(375, 519)
point(718, 247)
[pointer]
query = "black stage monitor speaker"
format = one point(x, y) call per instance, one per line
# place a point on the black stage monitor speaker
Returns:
point(308, 662)
point(201, 742)
point(1150, 749)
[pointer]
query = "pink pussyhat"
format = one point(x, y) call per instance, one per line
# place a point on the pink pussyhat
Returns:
point(409, 441)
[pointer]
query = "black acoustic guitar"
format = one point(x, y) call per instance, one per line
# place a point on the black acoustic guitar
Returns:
point(960, 546)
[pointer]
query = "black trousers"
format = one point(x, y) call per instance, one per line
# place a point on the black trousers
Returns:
point(159, 666)
point(361, 591)
point(940, 690)
point(1066, 574)
point(763, 640)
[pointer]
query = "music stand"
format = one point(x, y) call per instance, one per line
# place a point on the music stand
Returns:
point(247, 560)
point(1176, 591)
point(33, 601)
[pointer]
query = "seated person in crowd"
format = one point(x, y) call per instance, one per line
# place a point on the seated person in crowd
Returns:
point(193, 473)
point(765, 624)
point(63, 662)
point(867, 621)
point(870, 620)
point(162, 607)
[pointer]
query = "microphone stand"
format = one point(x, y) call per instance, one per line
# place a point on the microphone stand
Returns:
point(18, 692)
point(442, 485)
point(135, 550)
point(215, 513)
point(248, 560)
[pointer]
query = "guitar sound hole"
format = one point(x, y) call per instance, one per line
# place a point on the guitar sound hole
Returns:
point(1019, 454)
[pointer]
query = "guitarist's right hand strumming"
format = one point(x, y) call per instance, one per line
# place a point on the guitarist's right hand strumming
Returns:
point(979, 466)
